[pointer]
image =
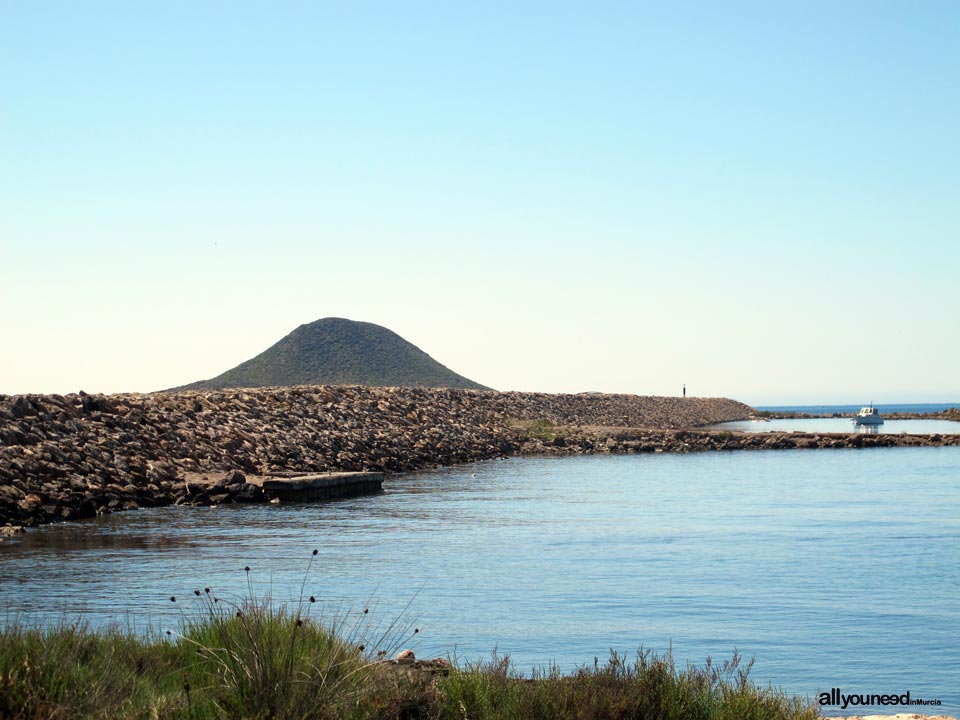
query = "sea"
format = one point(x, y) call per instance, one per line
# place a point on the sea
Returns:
point(925, 408)
point(920, 426)
point(828, 568)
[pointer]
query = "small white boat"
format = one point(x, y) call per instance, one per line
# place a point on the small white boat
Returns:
point(868, 416)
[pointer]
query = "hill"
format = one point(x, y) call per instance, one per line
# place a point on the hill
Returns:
point(335, 351)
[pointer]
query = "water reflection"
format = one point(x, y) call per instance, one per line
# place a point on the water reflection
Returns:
point(867, 429)
point(109, 533)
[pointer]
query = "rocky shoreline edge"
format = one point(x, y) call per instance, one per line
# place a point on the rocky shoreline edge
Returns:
point(66, 457)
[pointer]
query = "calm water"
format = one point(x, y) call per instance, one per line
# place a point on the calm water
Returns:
point(842, 425)
point(884, 408)
point(834, 568)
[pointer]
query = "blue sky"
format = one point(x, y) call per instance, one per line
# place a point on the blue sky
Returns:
point(759, 200)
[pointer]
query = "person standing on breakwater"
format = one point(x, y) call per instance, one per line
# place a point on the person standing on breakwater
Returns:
point(684, 390)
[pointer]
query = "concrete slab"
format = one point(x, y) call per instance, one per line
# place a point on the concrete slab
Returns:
point(319, 486)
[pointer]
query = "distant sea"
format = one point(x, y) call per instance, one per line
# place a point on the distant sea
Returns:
point(847, 409)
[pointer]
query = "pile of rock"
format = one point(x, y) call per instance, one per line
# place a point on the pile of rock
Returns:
point(69, 456)
point(65, 457)
point(620, 410)
point(582, 441)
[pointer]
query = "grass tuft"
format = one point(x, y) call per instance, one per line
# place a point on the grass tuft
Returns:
point(540, 429)
point(649, 688)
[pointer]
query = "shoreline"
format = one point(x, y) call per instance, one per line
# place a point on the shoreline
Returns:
point(586, 440)
point(77, 456)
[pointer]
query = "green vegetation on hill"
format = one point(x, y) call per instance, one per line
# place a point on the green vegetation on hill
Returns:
point(335, 351)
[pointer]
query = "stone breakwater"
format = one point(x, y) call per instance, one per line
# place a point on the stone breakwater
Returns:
point(612, 440)
point(72, 456)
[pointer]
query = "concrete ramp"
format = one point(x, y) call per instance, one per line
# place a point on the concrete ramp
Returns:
point(320, 486)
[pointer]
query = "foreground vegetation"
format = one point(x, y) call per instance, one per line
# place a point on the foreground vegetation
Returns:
point(258, 659)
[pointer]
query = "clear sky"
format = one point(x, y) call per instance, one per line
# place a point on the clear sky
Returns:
point(758, 199)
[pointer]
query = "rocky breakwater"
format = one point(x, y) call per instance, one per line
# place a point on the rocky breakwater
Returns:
point(632, 411)
point(556, 440)
point(71, 456)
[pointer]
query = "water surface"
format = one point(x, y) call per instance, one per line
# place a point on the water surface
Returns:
point(842, 425)
point(925, 408)
point(834, 568)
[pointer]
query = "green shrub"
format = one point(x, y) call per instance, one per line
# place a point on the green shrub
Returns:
point(539, 429)
point(649, 688)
